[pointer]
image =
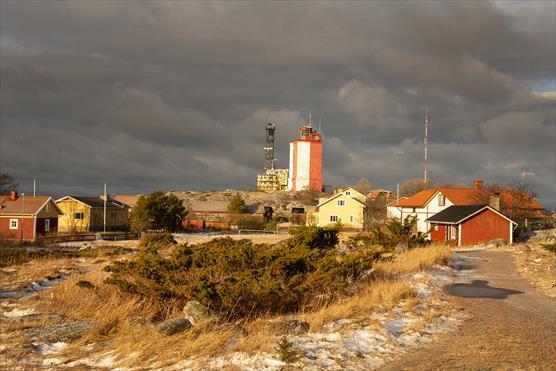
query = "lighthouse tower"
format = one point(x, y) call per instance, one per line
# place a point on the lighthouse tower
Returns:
point(306, 160)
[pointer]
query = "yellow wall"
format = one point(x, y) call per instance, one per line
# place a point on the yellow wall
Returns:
point(350, 208)
point(93, 218)
point(356, 194)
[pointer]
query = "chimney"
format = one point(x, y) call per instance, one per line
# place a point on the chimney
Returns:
point(478, 184)
point(495, 201)
point(13, 195)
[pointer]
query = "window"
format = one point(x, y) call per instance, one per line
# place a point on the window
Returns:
point(334, 218)
point(14, 223)
point(47, 207)
point(79, 216)
point(342, 203)
point(348, 193)
point(441, 200)
point(351, 218)
point(113, 215)
point(47, 225)
point(435, 228)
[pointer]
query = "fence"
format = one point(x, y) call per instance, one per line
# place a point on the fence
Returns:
point(117, 236)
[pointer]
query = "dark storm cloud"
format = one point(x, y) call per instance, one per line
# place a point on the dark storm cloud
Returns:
point(175, 95)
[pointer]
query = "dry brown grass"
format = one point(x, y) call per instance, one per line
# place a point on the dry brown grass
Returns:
point(139, 344)
point(414, 260)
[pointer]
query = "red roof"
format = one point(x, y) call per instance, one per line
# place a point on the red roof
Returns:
point(458, 196)
point(26, 205)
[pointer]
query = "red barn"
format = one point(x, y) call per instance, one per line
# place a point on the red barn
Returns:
point(27, 217)
point(465, 225)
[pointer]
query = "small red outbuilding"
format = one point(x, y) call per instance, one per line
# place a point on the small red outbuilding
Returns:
point(465, 225)
point(27, 217)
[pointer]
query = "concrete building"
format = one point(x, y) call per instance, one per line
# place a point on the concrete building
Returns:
point(305, 171)
point(271, 179)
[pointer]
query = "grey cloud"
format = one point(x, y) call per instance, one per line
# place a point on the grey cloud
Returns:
point(175, 95)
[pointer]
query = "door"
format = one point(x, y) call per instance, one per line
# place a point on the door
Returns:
point(47, 225)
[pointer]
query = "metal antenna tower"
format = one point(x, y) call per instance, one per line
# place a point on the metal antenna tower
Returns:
point(426, 143)
point(524, 174)
point(269, 147)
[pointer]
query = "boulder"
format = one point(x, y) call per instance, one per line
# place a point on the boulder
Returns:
point(401, 247)
point(66, 332)
point(289, 327)
point(196, 312)
point(138, 320)
point(172, 326)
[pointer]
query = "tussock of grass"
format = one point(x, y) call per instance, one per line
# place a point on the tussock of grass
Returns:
point(414, 260)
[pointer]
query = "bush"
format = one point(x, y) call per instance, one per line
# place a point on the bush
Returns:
point(157, 240)
point(550, 247)
point(85, 284)
point(286, 351)
point(238, 278)
point(389, 235)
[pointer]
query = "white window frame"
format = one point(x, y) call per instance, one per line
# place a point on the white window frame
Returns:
point(341, 203)
point(47, 208)
point(82, 214)
point(441, 200)
point(47, 225)
point(348, 193)
point(12, 223)
point(334, 218)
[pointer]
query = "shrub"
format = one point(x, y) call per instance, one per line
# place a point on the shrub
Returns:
point(157, 240)
point(550, 247)
point(286, 350)
point(238, 278)
point(389, 235)
point(85, 284)
point(237, 205)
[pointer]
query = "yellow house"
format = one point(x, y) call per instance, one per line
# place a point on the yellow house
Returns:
point(346, 207)
point(86, 214)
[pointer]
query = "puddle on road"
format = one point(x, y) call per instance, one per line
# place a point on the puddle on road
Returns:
point(479, 289)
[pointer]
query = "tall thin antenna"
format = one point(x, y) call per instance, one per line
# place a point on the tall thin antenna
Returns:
point(310, 121)
point(426, 143)
point(104, 224)
point(34, 187)
point(320, 123)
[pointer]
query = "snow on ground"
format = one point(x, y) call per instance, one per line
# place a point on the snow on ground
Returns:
point(35, 286)
point(18, 312)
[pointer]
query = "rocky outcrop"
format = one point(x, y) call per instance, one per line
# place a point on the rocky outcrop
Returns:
point(289, 327)
point(65, 333)
point(172, 326)
point(196, 312)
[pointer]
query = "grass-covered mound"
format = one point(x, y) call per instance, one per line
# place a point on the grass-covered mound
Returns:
point(238, 278)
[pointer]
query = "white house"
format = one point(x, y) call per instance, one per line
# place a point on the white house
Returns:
point(428, 202)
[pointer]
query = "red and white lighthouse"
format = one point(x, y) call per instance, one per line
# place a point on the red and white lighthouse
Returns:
point(306, 161)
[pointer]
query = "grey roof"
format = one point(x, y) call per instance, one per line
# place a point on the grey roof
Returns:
point(209, 206)
point(93, 201)
point(455, 214)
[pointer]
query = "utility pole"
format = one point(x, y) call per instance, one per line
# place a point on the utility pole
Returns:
point(34, 187)
point(426, 143)
point(104, 228)
point(22, 211)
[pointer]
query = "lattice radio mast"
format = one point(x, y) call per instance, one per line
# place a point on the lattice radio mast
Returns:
point(426, 143)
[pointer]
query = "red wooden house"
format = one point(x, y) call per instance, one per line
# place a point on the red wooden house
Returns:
point(27, 217)
point(465, 225)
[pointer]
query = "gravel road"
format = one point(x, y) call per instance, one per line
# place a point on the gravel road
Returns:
point(511, 326)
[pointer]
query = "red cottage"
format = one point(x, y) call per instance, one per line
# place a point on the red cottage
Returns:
point(27, 217)
point(465, 225)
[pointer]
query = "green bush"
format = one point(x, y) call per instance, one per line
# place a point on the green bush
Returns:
point(238, 278)
point(85, 284)
point(550, 247)
point(157, 240)
point(389, 235)
point(286, 350)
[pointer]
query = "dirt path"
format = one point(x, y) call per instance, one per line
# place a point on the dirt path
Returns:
point(511, 326)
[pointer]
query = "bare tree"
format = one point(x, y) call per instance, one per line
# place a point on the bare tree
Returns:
point(375, 212)
point(413, 186)
point(516, 201)
point(7, 184)
point(363, 185)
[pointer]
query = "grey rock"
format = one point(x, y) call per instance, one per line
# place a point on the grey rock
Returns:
point(138, 320)
point(66, 332)
point(172, 326)
point(38, 317)
point(401, 247)
point(289, 327)
point(196, 312)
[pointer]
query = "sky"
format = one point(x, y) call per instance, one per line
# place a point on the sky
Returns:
point(174, 95)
